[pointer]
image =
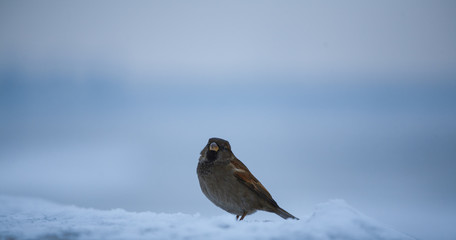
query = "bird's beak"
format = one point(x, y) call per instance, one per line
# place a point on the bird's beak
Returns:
point(214, 147)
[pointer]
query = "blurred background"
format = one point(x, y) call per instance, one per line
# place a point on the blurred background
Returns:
point(108, 104)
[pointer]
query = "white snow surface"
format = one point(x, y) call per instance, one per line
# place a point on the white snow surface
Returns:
point(27, 218)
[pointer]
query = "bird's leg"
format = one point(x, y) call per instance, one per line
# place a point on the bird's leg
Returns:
point(243, 215)
point(237, 217)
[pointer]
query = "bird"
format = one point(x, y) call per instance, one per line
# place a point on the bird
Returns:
point(229, 184)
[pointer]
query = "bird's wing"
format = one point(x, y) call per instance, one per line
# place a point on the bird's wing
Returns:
point(242, 173)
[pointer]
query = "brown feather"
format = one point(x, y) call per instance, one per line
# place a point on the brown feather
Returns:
point(243, 174)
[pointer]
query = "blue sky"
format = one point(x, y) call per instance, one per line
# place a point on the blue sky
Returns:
point(146, 39)
point(108, 104)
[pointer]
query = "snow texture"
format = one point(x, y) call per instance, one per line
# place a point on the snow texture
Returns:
point(24, 218)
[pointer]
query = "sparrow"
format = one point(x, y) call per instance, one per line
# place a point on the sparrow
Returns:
point(229, 184)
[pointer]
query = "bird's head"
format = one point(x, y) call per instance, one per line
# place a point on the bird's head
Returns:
point(216, 149)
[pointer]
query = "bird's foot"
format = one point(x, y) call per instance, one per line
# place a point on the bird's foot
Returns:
point(243, 216)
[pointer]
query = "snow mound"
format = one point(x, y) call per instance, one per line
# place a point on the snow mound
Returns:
point(23, 218)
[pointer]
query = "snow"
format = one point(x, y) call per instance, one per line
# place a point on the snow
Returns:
point(27, 218)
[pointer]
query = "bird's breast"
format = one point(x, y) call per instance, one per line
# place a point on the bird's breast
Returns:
point(223, 189)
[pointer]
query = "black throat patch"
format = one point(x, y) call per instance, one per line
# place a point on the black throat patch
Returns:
point(211, 155)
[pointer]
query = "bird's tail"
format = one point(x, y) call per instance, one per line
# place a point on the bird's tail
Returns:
point(284, 214)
